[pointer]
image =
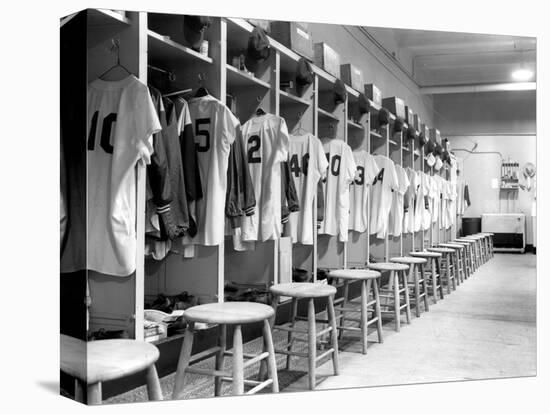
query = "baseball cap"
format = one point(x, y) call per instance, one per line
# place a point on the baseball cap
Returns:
point(340, 92)
point(363, 104)
point(258, 49)
point(438, 149)
point(430, 146)
point(438, 163)
point(383, 117)
point(193, 29)
point(398, 125)
point(304, 73)
point(430, 159)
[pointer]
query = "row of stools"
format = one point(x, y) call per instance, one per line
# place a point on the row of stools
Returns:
point(412, 280)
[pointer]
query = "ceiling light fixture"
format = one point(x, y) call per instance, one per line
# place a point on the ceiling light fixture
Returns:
point(522, 75)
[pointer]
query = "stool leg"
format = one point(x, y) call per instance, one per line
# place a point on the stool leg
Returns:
point(396, 300)
point(407, 299)
point(153, 385)
point(238, 363)
point(291, 334)
point(183, 362)
point(433, 280)
point(364, 314)
point(333, 335)
point(312, 343)
point(414, 274)
point(344, 304)
point(377, 311)
point(79, 391)
point(220, 356)
point(263, 364)
point(448, 273)
point(424, 287)
point(271, 362)
point(439, 281)
point(94, 394)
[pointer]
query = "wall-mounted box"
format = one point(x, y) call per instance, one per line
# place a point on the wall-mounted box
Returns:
point(395, 105)
point(373, 93)
point(295, 36)
point(352, 76)
point(327, 58)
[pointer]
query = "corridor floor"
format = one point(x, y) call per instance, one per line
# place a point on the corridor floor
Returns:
point(484, 329)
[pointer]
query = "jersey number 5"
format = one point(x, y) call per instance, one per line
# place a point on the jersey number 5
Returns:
point(202, 145)
point(106, 128)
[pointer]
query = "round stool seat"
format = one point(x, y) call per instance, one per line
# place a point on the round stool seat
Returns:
point(232, 313)
point(470, 241)
point(408, 260)
point(426, 255)
point(440, 250)
point(385, 266)
point(473, 237)
point(354, 274)
point(487, 234)
point(105, 360)
point(303, 290)
point(452, 246)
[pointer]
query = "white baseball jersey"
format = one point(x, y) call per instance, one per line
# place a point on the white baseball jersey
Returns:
point(341, 172)
point(308, 164)
point(121, 120)
point(385, 182)
point(430, 193)
point(215, 129)
point(367, 169)
point(397, 209)
point(420, 204)
point(266, 142)
point(410, 198)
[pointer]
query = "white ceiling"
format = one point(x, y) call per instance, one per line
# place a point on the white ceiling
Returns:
point(445, 58)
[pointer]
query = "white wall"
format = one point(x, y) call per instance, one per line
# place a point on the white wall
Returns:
point(479, 169)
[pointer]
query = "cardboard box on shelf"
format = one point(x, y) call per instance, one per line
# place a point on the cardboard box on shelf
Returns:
point(295, 36)
point(373, 93)
point(327, 58)
point(395, 105)
point(352, 76)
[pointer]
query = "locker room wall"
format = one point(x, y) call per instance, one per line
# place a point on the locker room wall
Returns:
point(376, 67)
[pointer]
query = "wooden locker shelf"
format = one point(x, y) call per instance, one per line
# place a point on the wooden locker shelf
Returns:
point(375, 134)
point(355, 125)
point(289, 99)
point(103, 24)
point(240, 79)
point(327, 116)
point(392, 142)
point(406, 149)
point(416, 153)
point(161, 48)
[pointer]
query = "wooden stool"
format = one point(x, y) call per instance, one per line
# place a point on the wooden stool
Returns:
point(450, 267)
point(92, 363)
point(490, 237)
point(435, 277)
point(397, 272)
point(414, 263)
point(369, 280)
point(308, 291)
point(487, 244)
point(466, 257)
point(477, 249)
point(223, 314)
point(472, 249)
point(459, 259)
point(482, 248)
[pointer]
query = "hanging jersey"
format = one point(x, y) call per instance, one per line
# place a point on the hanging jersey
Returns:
point(385, 182)
point(367, 169)
point(308, 164)
point(398, 200)
point(266, 144)
point(410, 200)
point(121, 120)
point(214, 129)
point(429, 189)
point(341, 172)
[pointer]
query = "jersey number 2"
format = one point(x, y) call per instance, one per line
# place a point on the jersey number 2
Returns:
point(254, 144)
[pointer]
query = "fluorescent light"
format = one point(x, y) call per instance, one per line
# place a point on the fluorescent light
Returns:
point(522, 74)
